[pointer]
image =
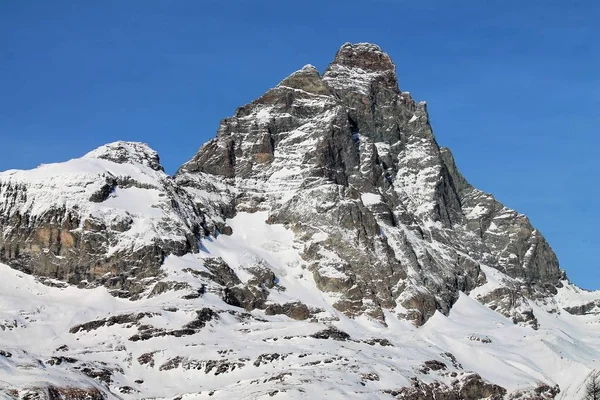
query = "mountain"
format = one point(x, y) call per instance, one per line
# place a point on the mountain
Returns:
point(322, 245)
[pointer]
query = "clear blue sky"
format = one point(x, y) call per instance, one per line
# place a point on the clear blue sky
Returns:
point(512, 86)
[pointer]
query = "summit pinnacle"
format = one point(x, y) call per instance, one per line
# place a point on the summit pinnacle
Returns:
point(366, 56)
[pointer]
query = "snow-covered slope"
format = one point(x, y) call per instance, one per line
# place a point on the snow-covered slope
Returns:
point(323, 245)
point(169, 346)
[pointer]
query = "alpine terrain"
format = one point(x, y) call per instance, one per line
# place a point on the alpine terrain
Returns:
point(323, 245)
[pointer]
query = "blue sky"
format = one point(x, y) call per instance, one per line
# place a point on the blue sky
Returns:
point(512, 86)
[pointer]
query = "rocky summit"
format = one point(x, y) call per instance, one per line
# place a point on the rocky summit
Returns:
point(322, 245)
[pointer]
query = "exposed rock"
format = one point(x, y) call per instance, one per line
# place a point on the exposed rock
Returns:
point(468, 387)
point(147, 359)
point(221, 272)
point(115, 319)
point(263, 276)
point(512, 303)
point(381, 341)
point(331, 333)
point(269, 358)
point(370, 377)
point(248, 297)
point(128, 390)
point(202, 317)
point(432, 365)
point(450, 357)
point(163, 286)
point(6, 354)
point(216, 367)
point(479, 338)
point(127, 153)
point(57, 393)
point(103, 375)
point(542, 392)
point(171, 364)
point(592, 307)
point(59, 360)
point(295, 310)
point(147, 332)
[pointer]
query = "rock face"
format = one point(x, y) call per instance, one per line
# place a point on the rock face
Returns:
point(108, 218)
point(351, 164)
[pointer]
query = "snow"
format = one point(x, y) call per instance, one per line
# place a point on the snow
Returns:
point(495, 279)
point(135, 201)
point(570, 295)
point(254, 241)
point(263, 115)
point(35, 319)
point(514, 358)
point(383, 149)
point(370, 199)
point(477, 212)
point(562, 351)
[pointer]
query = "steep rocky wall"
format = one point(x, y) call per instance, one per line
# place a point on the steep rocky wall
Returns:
point(351, 156)
point(63, 222)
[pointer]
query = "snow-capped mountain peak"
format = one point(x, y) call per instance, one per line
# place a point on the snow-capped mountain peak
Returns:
point(127, 153)
point(321, 245)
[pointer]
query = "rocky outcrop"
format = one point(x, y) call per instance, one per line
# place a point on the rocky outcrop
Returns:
point(295, 310)
point(592, 307)
point(108, 219)
point(56, 393)
point(468, 387)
